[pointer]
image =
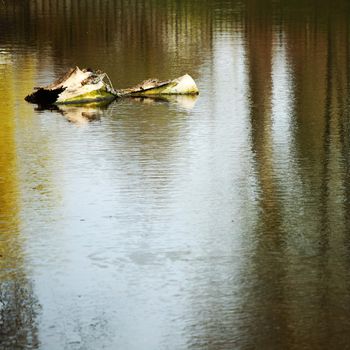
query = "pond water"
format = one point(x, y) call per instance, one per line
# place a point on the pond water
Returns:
point(214, 222)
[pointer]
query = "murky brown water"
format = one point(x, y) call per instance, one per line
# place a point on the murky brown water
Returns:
point(219, 222)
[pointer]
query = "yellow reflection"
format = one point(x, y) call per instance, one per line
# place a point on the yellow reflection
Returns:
point(18, 306)
point(9, 253)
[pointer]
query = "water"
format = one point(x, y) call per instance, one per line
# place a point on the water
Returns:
point(217, 222)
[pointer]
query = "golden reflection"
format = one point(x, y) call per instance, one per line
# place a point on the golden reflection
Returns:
point(8, 174)
point(17, 304)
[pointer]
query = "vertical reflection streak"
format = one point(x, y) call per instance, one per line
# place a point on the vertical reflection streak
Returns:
point(18, 306)
point(266, 302)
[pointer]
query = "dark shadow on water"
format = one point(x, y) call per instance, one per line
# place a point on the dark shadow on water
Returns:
point(19, 310)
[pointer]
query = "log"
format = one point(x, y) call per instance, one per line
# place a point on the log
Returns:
point(83, 86)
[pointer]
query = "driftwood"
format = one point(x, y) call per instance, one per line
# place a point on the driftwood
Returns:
point(184, 85)
point(87, 86)
point(76, 86)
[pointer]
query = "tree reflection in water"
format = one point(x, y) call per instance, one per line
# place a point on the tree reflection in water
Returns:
point(18, 305)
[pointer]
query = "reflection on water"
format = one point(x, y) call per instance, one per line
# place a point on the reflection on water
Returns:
point(185, 102)
point(18, 311)
point(81, 115)
point(18, 305)
point(213, 222)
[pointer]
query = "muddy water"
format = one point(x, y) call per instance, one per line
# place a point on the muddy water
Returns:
point(217, 222)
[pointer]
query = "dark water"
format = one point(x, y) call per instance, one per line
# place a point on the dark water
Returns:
point(217, 222)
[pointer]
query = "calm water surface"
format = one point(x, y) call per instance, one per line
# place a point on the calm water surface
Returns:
point(217, 222)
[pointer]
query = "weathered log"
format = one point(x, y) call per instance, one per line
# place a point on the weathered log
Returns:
point(85, 86)
point(76, 86)
point(184, 85)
